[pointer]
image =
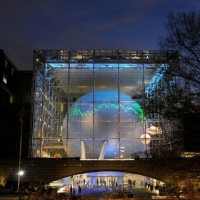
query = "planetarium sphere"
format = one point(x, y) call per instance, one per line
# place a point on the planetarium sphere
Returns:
point(104, 117)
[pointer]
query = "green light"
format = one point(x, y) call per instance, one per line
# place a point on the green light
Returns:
point(135, 108)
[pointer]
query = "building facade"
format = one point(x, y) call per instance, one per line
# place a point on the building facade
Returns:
point(91, 104)
point(15, 107)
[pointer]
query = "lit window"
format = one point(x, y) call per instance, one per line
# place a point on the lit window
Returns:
point(5, 63)
point(11, 99)
point(5, 78)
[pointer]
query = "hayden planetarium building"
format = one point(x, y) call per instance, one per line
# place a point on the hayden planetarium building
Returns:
point(92, 104)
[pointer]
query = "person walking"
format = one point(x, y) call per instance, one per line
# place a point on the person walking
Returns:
point(70, 190)
point(79, 189)
point(151, 187)
point(74, 191)
point(97, 182)
point(134, 183)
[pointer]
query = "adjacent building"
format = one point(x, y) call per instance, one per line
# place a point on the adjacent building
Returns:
point(15, 107)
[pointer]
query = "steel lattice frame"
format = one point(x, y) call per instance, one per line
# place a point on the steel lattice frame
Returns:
point(47, 114)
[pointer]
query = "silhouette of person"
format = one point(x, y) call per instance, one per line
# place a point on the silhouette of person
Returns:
point(70, 190)
point(134, 183)
point(151, 188)
point(79, 189)
point(74, 191)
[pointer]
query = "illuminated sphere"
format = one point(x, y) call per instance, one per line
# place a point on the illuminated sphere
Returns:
point(145, 138)
point(152, 128)
point(94, 119)
point(122, 149)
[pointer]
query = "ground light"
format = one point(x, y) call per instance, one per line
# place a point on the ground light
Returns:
point(20, 173)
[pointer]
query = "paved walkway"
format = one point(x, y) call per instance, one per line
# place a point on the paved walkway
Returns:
point(102, 193)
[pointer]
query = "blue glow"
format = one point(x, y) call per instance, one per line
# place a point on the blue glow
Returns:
point(103, 115)
point(96, 66)
point(156, 79)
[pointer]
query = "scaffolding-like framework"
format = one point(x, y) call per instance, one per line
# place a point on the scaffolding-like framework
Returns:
point(53, 91)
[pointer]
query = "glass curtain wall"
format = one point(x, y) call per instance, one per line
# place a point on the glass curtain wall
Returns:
point(90, 104)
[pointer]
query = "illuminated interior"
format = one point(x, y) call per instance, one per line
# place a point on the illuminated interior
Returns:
point(90, 104)
point(98, 115)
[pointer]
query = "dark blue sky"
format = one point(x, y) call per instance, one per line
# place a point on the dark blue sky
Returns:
point(26, 25)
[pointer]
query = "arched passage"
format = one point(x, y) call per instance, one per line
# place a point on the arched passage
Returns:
point(106, 179)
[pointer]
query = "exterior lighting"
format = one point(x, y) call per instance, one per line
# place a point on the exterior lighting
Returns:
point(21, 173)
point(154, 130)
point(122, 149)
point(145, 138)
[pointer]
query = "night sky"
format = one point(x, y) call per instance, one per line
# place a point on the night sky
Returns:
point(26, 25)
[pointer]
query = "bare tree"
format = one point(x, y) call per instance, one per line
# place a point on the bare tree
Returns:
point(183, 35)
point(177, 97)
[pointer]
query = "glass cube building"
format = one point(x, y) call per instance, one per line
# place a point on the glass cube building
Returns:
point(91, 104)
